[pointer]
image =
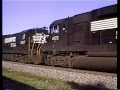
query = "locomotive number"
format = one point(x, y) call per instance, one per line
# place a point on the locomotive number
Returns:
point(55, 38)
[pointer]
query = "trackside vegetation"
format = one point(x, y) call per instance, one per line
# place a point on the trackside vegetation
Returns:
point(35, 81)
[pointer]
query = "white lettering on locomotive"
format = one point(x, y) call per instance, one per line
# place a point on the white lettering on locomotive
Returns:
point(13, 45)
point(10, 39)
point(104, 24)
point(40, 38)
point(22, 42)
point(116, 35)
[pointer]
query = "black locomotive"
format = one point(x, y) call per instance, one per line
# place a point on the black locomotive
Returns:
point(84, 41)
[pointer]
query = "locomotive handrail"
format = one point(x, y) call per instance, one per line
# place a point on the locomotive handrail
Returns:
point(38, 49)
point(29, 45)
point(32, 48)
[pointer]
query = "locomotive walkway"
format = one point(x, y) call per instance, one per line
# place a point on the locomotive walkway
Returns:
point(108, 80)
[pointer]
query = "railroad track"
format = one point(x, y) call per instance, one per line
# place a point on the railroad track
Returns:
point(79, 76)
point(66, 69)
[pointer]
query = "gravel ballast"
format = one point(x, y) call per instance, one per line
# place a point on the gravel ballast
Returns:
point(109, 80)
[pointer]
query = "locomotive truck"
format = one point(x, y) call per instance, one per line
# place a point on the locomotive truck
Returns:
point(84, 41)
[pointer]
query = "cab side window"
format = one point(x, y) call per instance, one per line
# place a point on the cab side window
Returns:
point(55, 29)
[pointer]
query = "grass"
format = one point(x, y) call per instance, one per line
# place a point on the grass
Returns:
point(35, 81)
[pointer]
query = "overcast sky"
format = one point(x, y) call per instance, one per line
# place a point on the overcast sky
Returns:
point(20, 15)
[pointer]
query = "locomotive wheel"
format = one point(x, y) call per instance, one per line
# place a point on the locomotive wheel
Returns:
point(48, 60)
point(22, 59)
point(11, 57)
point(19, 58)
point(45, 61)
point(37, 59)
point(15, 58)
point(30, 59)
point(69, 62)
point(54, 62)
point(26, 59)
point(63, 61)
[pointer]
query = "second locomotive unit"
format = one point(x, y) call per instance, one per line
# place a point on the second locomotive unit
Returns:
point(84, 41)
